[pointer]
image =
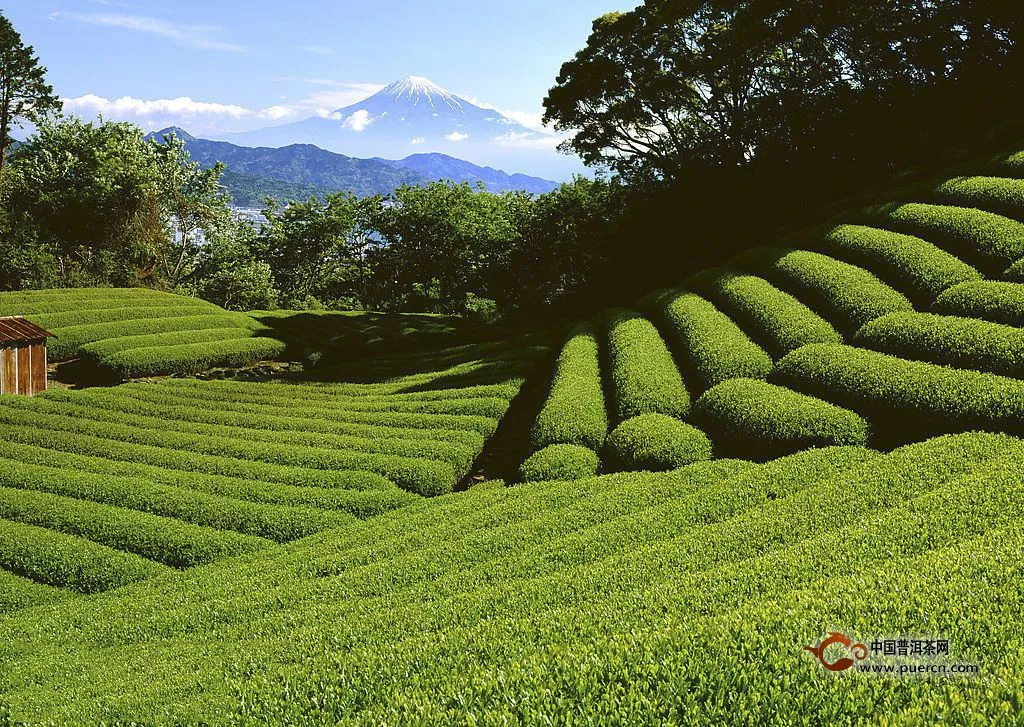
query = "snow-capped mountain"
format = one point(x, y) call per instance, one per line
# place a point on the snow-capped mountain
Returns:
point(415, 115)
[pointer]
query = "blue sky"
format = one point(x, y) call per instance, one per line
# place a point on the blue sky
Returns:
point(226, 65)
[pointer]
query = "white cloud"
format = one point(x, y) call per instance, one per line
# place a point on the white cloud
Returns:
point(418, 140)
point(529, 119)
point(198, 36)
point(275, 113)
point(528, 140)
point(319, 50)
point(129, 108)
point(328, 114)
point(358, 120)
point(456, 136)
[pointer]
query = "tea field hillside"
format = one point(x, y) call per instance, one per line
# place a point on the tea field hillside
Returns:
point(643, 519)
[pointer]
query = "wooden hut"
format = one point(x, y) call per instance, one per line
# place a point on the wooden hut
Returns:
point(22, 356)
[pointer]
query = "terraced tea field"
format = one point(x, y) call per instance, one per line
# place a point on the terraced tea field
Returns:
point(818, 436)
point(137, 332)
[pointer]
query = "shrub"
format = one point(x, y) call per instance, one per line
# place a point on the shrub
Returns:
point(998, 195)
point(915, 267)
point(73, 338)
point(656, 442)
point(990, 300)
point(710, 346)
point(273, 522)
point(369, 494)
point(772, 318)
point(642, 372)
point(560, 462)
point(191, 358)
point(846, 295)
point(56, 559)
point(904, 400)
point(1015, 273)
point(18, 592)
point(99, 350)
point(966, 343)
point(164, 540)
point(756, 420)
point(574, 411)
point(987, 241)
point(70, 318)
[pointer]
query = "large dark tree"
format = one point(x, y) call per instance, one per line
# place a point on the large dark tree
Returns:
point(681, 82)
point(24, 93)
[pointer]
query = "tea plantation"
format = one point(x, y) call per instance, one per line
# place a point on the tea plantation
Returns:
point(644, 522)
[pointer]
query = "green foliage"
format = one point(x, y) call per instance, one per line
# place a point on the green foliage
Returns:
point(904, 400)
point(774, 319)
point(574, 412)
point(1015, 273)
point(756, 420)
point(56, 559)
point(913, 266)
point(656, 442)
point(998, 195)
point(25, 94)
point(846, 295)
point(190, 358)
point(164, 540)
point(990, 300)
point(18, 592)
point(710, 346)
point(643, 375)
point(964, 343)
point(985, 240)
point(561, 462)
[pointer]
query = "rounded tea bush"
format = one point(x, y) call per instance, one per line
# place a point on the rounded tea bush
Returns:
point(656, 442)
point(559, 462)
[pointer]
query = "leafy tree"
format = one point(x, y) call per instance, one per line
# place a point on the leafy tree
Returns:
point(24, 93)
point(441, 241)
point(90, 194)
point(228, 272)
point(307, 245)
point(676, 86)
point(194, 203)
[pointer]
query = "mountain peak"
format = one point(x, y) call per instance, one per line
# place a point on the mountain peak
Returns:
point(176, 131)
point(416, 89)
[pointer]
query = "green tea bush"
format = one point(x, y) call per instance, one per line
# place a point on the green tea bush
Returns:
point(574, 412)
point(191, 358)
point(710, 346)
point(100, 350)
point(1015, 273)
point(368, 494)
point(71, 339)
point(753, 419)
point(67, 319)
point(559, 462)
point(904, 400)
point(998, 195)
point(644, 377)
point(94, 402)
point(272, 522)
point(422, 476)
point(846, 295)
point(458, 456)
point(774, 319)
point(164, 540)
point(989, 300)
point(988, 241)
point(964, 343)
point(17, 592)
point(913, 266)
point(56, 559)
point(656, 442)
point(41, 306)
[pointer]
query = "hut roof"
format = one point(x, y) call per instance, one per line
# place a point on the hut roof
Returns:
point(15, 329)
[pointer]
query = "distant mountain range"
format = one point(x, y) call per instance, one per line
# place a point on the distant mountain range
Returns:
point(415, 115)
point(300, 170)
